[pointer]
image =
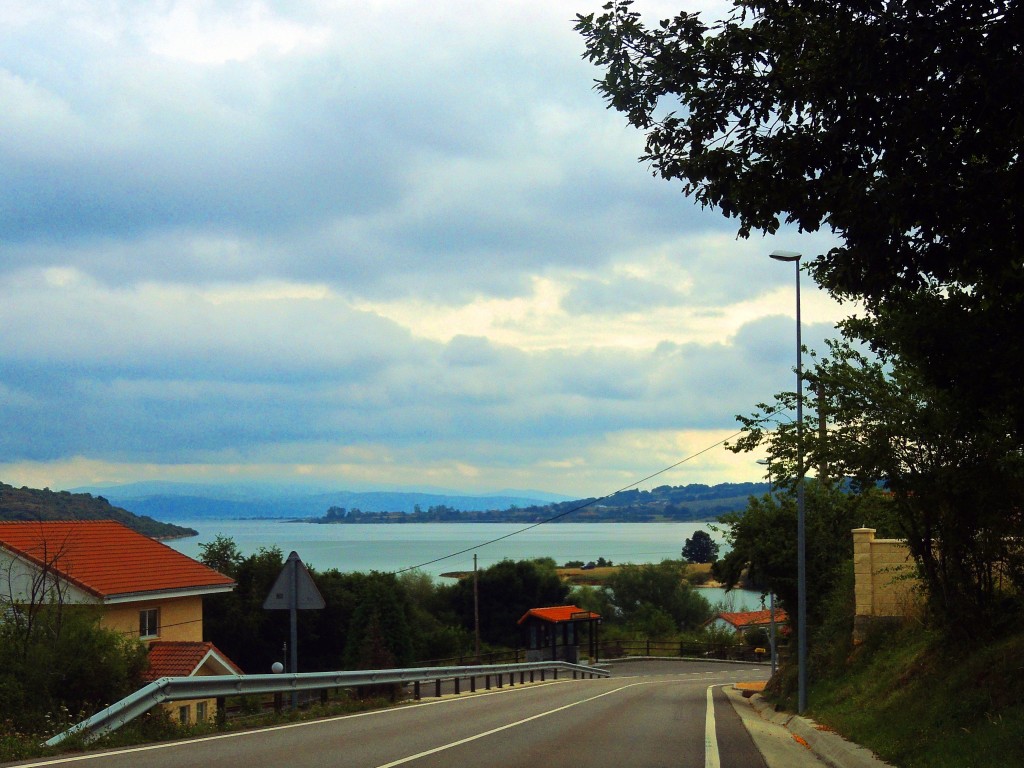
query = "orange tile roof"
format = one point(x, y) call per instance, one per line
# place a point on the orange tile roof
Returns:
point(108, 559)
point(752, 618)
point(182, 659)
point(559, 614)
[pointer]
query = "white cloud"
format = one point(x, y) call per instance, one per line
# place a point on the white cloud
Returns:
point(201, 32)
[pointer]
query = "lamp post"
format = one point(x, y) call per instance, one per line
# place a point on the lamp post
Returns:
point(801, 542)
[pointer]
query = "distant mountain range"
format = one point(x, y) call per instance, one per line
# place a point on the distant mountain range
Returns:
point(186, 501)
point(190, 501)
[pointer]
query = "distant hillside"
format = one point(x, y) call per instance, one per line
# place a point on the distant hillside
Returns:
point(190, 501)
point(34, 504)
point(685, 503)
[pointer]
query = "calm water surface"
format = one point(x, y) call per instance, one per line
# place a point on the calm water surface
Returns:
point(436, 548)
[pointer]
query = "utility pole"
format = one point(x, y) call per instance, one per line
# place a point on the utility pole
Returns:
point(819, 390)
point(476, 608)
point(771, 593)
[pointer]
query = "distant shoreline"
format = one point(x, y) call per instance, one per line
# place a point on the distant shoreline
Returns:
point(496, 519)
point(321, 521)
point(596, 576)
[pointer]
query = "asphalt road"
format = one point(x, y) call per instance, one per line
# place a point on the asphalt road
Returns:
point(647, 715)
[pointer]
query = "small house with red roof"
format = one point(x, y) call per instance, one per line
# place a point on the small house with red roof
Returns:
point(555, 633)
point(144, 588)
point(744, 621)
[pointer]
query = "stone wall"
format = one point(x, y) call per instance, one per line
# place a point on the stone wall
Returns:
point(886, 584)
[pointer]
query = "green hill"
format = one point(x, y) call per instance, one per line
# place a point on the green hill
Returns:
point(34, 504)
point(684, 503)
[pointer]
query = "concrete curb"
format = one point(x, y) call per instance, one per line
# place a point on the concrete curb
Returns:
point(627, 659)
point(831, 748)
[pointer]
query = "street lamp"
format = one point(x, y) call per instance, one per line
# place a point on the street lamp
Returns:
point(801, 543)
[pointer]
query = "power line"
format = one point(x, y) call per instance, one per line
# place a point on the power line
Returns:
point(560, 515)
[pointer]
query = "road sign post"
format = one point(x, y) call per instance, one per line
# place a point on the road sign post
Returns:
point(294, 591)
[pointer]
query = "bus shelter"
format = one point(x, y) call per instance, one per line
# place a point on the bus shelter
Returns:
point(557, 633)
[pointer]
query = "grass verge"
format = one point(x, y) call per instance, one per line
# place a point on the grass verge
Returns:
point(919, 702)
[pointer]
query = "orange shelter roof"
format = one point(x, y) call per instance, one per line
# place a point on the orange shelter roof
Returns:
point(108, 559)
point(183, 659)
point(752, 618)
point(560, 613)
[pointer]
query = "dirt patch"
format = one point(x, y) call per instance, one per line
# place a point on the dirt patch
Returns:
point(587, 577)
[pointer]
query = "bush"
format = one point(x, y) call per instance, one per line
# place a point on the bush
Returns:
point(63, 666)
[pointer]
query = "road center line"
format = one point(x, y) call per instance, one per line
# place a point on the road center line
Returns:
point(711, 758)
point(460, 742)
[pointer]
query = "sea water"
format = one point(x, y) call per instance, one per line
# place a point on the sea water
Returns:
point(437, 548)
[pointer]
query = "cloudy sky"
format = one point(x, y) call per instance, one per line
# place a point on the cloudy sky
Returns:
point(365, 244)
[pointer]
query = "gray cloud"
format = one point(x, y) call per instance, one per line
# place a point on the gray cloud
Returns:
point(193, 246)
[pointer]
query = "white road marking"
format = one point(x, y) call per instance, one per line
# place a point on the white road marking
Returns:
point(711, 759)
point(287, 726)
point(374, 713)
point(460, 742)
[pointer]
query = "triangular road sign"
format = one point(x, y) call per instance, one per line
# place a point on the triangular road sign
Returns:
point(294, 587)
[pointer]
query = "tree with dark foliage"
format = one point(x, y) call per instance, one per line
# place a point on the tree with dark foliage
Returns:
point(700, 549)
point(899, 127)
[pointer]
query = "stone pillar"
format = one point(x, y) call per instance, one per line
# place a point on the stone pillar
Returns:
point(863, 574)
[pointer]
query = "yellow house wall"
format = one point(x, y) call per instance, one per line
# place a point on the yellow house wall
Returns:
point(181, 618)
point(173, 709)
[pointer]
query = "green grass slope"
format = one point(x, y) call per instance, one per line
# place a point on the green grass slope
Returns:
point(919, 702)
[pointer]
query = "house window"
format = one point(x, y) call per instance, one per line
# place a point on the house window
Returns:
point(201, 713)
point(149, 623)
point(183, 714)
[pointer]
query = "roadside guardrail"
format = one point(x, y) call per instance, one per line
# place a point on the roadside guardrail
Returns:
point(168, 689)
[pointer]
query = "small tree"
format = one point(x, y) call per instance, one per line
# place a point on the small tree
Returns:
point(955, 479)
point(236, 621)
point(701, 548)
point(641, 594)
point(222, 555)
point(763, 541)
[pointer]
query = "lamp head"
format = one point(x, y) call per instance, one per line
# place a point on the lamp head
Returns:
point(785, 255)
